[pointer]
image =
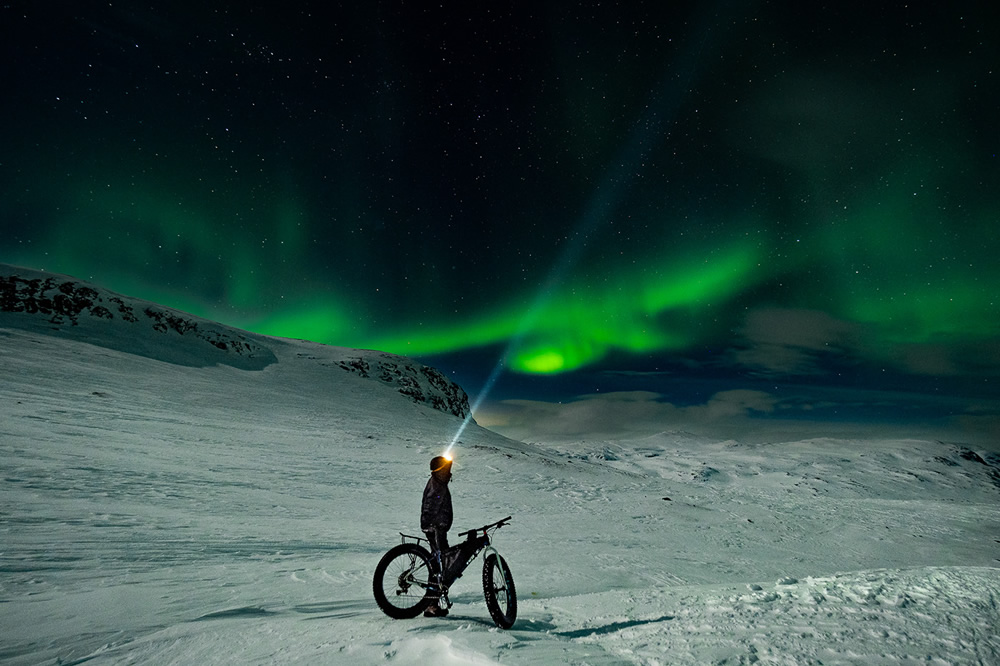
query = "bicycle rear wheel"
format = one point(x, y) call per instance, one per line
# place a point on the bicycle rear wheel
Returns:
point(498, 588)
point(401, 580)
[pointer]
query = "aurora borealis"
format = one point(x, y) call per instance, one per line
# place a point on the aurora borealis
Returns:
point(764, 192)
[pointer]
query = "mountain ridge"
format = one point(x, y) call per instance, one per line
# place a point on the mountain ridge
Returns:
point(57, 304)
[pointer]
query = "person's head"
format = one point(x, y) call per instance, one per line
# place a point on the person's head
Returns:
point(441, 467)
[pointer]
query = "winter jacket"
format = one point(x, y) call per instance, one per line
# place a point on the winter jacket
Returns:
point(435, 511)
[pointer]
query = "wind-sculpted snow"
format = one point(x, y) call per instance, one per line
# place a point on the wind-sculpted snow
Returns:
point(165, 513)
point(885, 616)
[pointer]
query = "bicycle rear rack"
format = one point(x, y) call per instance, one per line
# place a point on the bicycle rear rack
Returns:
point(416, 539)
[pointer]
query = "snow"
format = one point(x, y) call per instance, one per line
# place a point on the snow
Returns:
point(170, 507)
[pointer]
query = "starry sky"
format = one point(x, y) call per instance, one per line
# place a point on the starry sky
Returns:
point(593, 215)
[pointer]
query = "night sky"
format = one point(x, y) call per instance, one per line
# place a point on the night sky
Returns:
point(656, 212)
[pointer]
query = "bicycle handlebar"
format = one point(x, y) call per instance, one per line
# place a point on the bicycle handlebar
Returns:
point(498, 525)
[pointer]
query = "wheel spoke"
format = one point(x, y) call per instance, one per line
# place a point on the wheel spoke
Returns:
point(401, 581)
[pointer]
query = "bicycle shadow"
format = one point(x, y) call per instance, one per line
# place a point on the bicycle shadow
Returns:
point(610, 628)
point(542, 626)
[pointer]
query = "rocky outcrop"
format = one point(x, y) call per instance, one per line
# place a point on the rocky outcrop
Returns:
point(83, 311)
point(420, 383)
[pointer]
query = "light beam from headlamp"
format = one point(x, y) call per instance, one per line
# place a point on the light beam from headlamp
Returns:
point(647, 133)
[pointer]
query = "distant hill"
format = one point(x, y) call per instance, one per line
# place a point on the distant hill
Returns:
point(64, 306)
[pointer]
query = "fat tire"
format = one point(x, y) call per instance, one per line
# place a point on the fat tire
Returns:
point(498, 588)
point(398, 601)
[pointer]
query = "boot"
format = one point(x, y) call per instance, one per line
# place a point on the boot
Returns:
point(435, 610)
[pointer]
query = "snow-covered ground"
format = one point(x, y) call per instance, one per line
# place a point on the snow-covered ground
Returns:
point(161, 507)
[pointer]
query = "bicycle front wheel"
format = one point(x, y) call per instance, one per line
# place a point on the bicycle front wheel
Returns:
point(401, 580)
point(498, 587)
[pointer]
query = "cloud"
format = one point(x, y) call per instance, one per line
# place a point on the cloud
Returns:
point(783, 341)
point(976, 359)
point(736, 403)
point(793, 342)
point(619, 415)
point(748, 416)
point(982, 418)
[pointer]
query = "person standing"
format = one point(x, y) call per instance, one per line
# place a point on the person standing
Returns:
point(436, 517)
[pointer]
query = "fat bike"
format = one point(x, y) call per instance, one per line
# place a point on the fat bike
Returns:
point(410, 578)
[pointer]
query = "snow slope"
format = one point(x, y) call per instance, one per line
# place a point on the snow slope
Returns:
point(163, 504)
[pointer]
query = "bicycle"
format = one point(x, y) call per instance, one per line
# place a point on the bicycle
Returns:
point(409, 578)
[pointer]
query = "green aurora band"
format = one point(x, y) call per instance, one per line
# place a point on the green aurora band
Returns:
point(887, 267)
point(657, 191)
point(581, 324)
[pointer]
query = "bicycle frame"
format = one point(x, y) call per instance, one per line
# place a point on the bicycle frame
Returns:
point(485, 543)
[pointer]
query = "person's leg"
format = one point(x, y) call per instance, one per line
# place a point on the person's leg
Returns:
point(439, 545)
point(442, 540)
point(438, 540)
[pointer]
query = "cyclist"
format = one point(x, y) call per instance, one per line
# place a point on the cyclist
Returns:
point(436, 516)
